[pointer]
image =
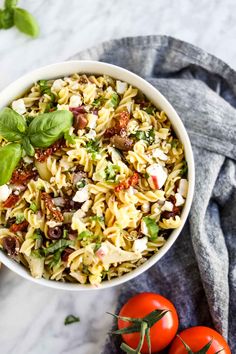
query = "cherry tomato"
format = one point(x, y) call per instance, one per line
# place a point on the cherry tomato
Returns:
point(162, 332)
point(196, 338)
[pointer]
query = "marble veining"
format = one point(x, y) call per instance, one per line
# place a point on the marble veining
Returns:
point(32, 317)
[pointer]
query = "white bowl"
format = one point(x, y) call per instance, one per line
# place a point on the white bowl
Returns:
point(18, 87)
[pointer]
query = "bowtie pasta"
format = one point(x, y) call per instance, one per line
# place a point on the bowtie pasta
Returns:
point(103, 198)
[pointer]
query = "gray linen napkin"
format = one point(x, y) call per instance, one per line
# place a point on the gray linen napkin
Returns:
point(199, 272)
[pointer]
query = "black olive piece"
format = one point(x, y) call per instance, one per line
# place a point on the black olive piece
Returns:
point(55, 233)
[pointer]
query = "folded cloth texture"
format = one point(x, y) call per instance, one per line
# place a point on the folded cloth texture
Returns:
point(198, 274)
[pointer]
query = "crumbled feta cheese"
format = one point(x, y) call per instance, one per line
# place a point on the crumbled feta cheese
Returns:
point(5, 191)
point(121, 87)
point(168, 206)
point(52, 223)
point(91, 134)
point(19, 106)
point(179, 199)
point(82, 195)
point(144, 228)
point(92, 120)
point(74, 85)
point(86, 206)
point(64, 107)
point(140, 244)
point(158, 153)
point(117, 255)
point(27, 159)
point(75, 101)
point(131, 191)
point(58, 85)
point(157, 176)
point(145, 207)
point(183, 187)
point(129, 106)
point(110, 89)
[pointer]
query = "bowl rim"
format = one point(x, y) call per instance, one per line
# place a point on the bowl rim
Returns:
point(66, 68)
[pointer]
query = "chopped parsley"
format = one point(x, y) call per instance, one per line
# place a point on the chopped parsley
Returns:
point(71, 319)
point(65, 233)
point(152, 227)
point(149, 109)
point(46, 89)
point(97, 218)
point(33, 207)
point(97, 246)
point(114, 101)
point(184, 169)
point(81, 183)
point(92, 146)
point(148, 135)
point(111, 172)
point(84, 235)
point(56, 258)
point(20, 218)
point(69, 138)
point(98, 102)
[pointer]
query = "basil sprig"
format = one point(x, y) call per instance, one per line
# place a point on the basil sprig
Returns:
point(47, 128)
point(22, 19)
point(12, 125)
point(10, 156)
point(43, 131)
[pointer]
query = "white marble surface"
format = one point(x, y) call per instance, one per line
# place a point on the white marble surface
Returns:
point(31, 320)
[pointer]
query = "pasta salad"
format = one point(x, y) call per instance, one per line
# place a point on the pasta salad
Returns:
point(92, 179)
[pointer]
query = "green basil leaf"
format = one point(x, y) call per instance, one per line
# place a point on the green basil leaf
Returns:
point(71, 319)
point(29, 149)
point(10, 156)
point(33, 207)
point(12, 125)
point(1, 14)
point(57, 245)
point(45, 129)
point(25, 22)
point(6, 19)
point(152, 227)
point(9, 4)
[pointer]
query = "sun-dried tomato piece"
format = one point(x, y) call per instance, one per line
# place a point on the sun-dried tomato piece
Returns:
point(11, 201)
point(42, 154)
point(131, 181)
point(120, 125)
point(21, 176)
point(19, 227)
point(57, 215)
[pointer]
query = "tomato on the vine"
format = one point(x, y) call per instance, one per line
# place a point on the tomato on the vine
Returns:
point(160, 322)
point(196, 338)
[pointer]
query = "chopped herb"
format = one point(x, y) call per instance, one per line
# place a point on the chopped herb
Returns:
point(152, 227)
point(81, 183)
point(97, 246)
point(146, 175)
point(95, 156)
point(71, 319)
point(174, 143)
point(111, 172)
point(114, 101)
point(97, 218)
point(98, 102)
point(84, 235)
point(37, 253)
point(149, 110)
point(184, 169)
point(92, 146)
point(85, 270)
point(48, 107)
point(33, 207)
point(46, 89)
point(20, 219)
point(69, 138)
point(57, 245)
point(65, 233)
point(148, 135)
point(56, 258)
